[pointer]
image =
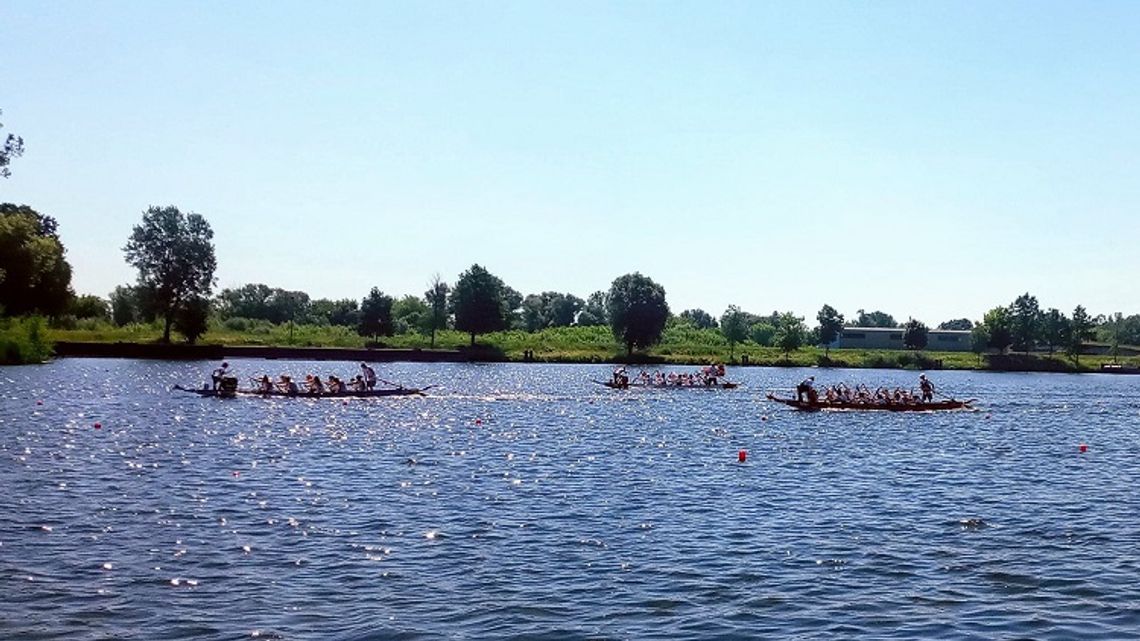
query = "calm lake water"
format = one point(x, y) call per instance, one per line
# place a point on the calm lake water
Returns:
point(524, 501)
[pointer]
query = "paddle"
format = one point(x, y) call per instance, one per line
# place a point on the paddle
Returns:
point(390, 383)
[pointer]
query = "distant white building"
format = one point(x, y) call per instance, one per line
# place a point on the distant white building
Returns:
point(939, 340)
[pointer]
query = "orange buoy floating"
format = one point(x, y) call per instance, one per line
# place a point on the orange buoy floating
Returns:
point(742, 456)
point(1084, 448)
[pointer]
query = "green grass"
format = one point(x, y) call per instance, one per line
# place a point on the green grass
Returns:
point(679, 344)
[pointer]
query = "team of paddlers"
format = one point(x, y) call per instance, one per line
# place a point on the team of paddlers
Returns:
point(366, 380)
point(841, 393)
point(708, 376)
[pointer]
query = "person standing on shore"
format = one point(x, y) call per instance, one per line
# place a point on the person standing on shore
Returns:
point(369, 375)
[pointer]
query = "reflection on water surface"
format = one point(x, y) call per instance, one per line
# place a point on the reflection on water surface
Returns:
point(526, 501)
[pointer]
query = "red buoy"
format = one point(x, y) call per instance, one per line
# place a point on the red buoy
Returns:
point(1084, 448)
point(742, 456)
point(98, 426)
point(478, 421)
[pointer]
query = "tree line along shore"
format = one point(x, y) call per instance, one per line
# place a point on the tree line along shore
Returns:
point(173, 300)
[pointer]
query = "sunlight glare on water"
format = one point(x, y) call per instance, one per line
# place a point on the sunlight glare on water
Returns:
point(526, 501)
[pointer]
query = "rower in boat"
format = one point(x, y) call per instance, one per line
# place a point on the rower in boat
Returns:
point(264, 385)
point(358, 384)
point(287, 385)
point(336, 386)
point(313, 384)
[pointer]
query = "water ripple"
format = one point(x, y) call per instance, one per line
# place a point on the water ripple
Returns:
point(526, 502)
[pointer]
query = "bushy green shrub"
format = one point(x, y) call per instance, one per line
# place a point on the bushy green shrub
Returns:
point(22, 341)
point(238, 324)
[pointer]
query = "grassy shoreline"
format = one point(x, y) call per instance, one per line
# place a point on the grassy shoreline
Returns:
point(680, 345)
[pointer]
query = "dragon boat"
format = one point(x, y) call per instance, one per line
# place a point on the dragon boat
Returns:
point(949, 404)
point(368, 393)
point(641, 385)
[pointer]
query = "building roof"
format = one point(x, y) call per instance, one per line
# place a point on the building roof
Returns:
point(885, 330)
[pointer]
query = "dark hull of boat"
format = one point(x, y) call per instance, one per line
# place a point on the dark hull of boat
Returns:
point(396, 391)
point(613, 385)
point(893, 407)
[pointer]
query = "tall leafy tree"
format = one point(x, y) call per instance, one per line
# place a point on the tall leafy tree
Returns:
point(35, 276)
point(790, 333)
point(550, 309)
point(562, 309)
point(288, 306)
point(997, 324)
point(875, 319)
point(436, 299)
point(699, 318)
point(1125, 328)
point(1025, 322)
point(1080, 330)
point(262, 302)
point(830, 324)
point(410, 314)
point(512, 303)
point(637, 311)
point(248, 301)
point(375, 314)
point(979, 340)
point(89, 306)
point(479, 302)
point(174, 255)
point(963, 324)
point(344, 312)
point(533, 313)
point(13, 147)
point(129, 305)
point(734, 325)
point(1113, 329)
point(595, 311)
point(915, 335)
point(1055, 329)
point(191, 319)
point(763, 333)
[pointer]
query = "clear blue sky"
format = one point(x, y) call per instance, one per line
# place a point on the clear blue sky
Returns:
point(930, 159)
